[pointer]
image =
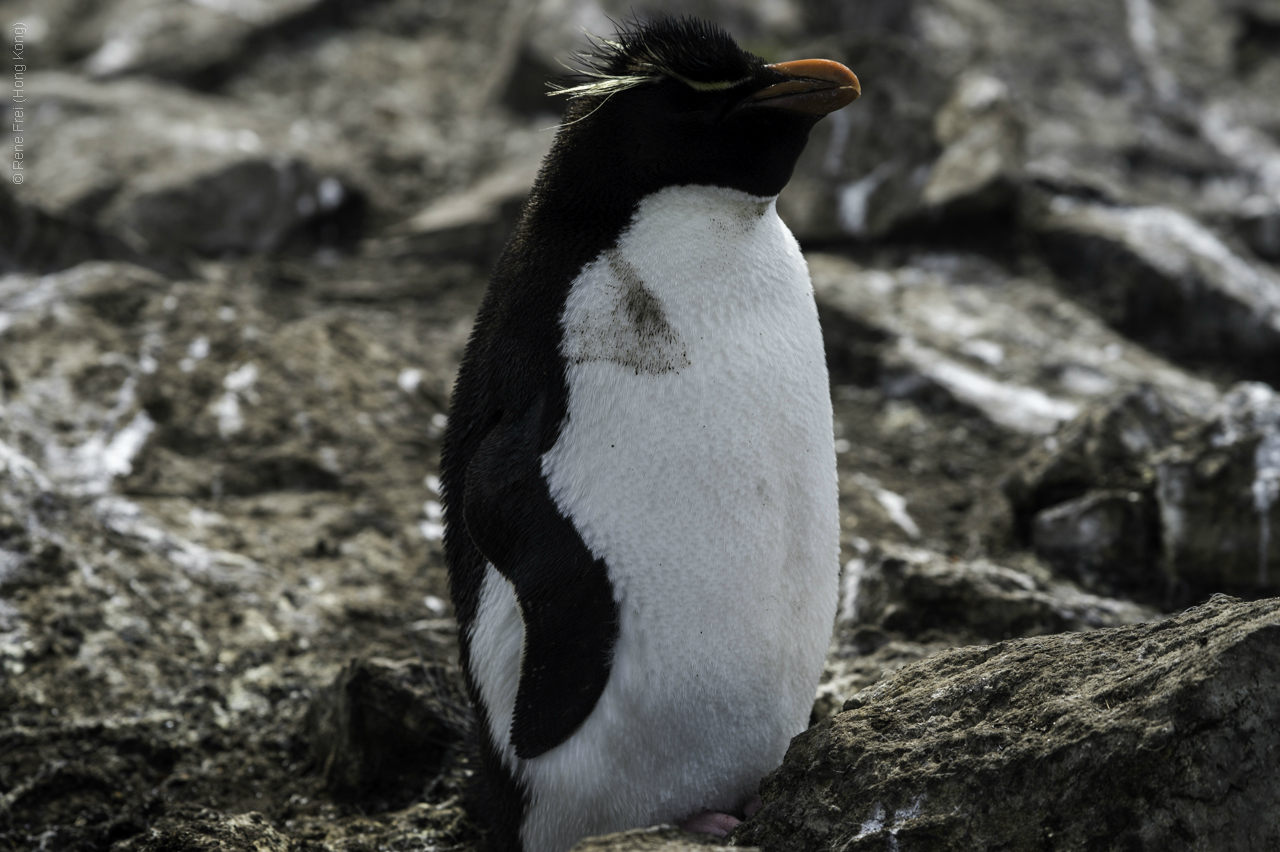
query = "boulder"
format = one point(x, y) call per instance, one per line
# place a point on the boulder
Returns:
point(916, 593)
point(190, 42)
point(1152, 736)
point(1007, 347)
point(1219, 496)
point(1106, 540)
point(31, 240)
point(1168, 282)
point(170, 172)
point(383, 731)
point(1145, 499)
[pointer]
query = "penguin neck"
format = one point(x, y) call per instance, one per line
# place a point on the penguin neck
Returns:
point(582, 188)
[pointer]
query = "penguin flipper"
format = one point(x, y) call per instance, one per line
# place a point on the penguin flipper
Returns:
point(566, 600)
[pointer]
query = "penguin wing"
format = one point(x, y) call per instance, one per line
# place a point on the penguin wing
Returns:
point(566, 599)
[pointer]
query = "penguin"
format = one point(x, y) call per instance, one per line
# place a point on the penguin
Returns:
point(638, 471)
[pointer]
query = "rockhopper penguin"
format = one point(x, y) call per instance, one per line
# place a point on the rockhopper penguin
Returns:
point(638, 474)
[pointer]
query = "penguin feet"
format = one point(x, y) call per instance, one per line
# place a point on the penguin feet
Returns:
point(718, 824)
point(711, 822)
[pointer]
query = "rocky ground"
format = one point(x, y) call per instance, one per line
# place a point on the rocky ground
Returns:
point(240, 262)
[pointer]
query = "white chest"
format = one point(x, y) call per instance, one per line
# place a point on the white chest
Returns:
point(697, 460)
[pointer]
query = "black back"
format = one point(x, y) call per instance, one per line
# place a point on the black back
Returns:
point(649, 121)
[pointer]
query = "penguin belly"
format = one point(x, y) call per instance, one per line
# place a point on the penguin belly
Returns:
point(696, 459)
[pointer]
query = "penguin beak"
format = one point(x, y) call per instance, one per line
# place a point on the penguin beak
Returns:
point(815, 87)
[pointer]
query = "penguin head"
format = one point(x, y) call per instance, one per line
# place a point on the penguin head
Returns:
point(677, 101)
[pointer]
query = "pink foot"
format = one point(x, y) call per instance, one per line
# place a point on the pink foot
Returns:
point(711, 822)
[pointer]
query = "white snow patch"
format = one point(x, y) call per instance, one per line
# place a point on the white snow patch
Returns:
point(119, 453)
point(242, 379)
point(894, 504)
point(227, 410)
point(874, 823)
point(850, 585)
point(409, 380)
point(852, 199)
point(1023, 409)
point(987, 351)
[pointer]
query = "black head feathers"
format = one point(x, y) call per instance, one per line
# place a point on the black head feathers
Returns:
point(697, 53)
point(675, 101)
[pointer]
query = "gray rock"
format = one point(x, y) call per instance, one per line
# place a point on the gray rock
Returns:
point(1167, 281)
point(170, 172)
point(1154, 736)
point(384, 730)
point(69, 344)
point(249, 206)
point(1260, 228)
point(913, 592)
point(1144, 499)
point(980, 168)
point(1086, 499)
point(1219, 496)
point(33, 241)
point(1108, 541)
point(1007, 347)
point(244, 404)
point(472, 224)
point(180, 41)
point(210, 831)
point(1108, 447)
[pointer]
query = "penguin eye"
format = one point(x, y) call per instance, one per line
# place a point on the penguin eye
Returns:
point(715, 86)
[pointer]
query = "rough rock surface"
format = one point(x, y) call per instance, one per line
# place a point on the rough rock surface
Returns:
point(239, 265)
point(1157, 736)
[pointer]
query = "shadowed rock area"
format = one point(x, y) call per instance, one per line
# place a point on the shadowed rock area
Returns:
point(239, 261)
point(1150, 737)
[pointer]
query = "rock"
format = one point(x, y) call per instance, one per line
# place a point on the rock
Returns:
point(661, 838)
point(188, 42)
point(1009, 348)
point(1144, 499)
point(210, 831)
point(70, 344)
point(400, 99)
point(218, 179)
point(383, 730)
point(1165, 280)
point(1261, 230)
point(472, 224)
point(916, 593)
point(1151, 736)
point(34, 241)
point(1107, 541)
point(248, 206)
point(979, 169)
point(1109, 447)
point(1086, 499)
point(1219, 496)
point(317, 404)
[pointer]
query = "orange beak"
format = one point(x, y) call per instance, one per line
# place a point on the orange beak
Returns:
point(817, 87)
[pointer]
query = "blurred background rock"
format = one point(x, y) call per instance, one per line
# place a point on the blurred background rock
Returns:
point(243, 260)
